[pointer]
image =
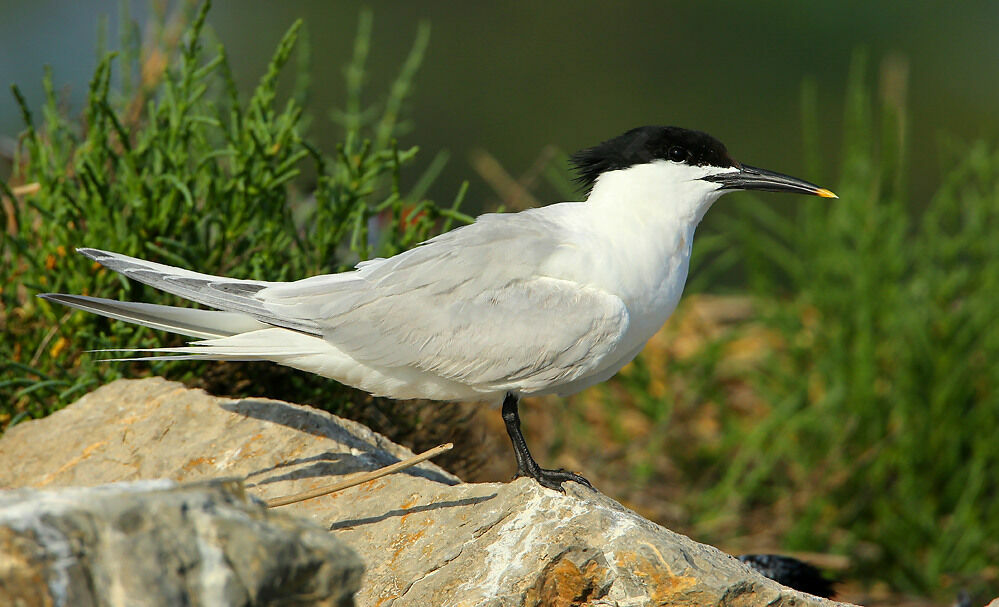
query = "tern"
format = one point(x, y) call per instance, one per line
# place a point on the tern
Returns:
point(549, 300)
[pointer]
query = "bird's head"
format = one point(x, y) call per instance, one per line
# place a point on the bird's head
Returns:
point(684, 168)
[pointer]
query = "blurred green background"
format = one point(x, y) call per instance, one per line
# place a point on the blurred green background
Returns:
point(514, 77)
point(829, 384)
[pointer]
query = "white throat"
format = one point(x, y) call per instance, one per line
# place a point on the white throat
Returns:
point(644, 218)
point(660, 189)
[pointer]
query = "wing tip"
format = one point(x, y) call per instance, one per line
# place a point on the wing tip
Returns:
point(62, 298)
point(94, 254)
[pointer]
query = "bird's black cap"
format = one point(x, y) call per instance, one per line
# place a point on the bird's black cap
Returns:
point(645, 144)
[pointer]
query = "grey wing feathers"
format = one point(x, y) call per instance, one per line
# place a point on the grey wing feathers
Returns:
point(525, 335)
point(468, 305)
point(227, 294)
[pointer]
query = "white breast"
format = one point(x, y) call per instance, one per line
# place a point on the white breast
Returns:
point(637, 229)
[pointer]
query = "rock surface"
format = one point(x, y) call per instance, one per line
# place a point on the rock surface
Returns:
point(424, 537)
point(156, 543)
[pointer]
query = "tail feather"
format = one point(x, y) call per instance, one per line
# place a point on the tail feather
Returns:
point(255, 345)
point(272, 343)
point(176, 357)
point(203, 324)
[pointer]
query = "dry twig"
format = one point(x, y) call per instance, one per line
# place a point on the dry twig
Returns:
point(362, 477)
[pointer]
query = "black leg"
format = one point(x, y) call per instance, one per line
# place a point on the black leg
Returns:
point(526, 466)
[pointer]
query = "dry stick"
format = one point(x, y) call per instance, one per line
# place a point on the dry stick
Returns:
point(28, 188)
point(360, 478)
point(510, 191)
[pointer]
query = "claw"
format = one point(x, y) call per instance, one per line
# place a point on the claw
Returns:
point(526, 466)
point(553, 479)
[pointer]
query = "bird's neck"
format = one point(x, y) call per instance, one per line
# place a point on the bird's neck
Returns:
point(645, 219)
point(660, 192)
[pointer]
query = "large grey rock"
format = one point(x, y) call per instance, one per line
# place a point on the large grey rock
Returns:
point(156, 543)
point(425, 538)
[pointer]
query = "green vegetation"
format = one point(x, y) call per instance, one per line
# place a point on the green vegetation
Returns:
point(871, 431)
point(886, 400)
point(171, 165)
point(874, 385)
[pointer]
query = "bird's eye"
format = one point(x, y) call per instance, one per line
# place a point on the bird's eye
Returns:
point(677, 154)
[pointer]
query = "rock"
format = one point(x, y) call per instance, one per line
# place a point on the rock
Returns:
point(156, 543)
point(424, 537)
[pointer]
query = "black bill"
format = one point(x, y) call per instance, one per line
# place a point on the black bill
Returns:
point(752, 178)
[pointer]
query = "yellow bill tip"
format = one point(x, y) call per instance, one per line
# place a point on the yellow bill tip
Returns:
point(825, 193)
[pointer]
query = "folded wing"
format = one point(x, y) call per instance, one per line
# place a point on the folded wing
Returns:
point(473, 306)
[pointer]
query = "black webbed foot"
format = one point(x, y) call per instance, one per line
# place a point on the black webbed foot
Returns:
point(553, 479)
